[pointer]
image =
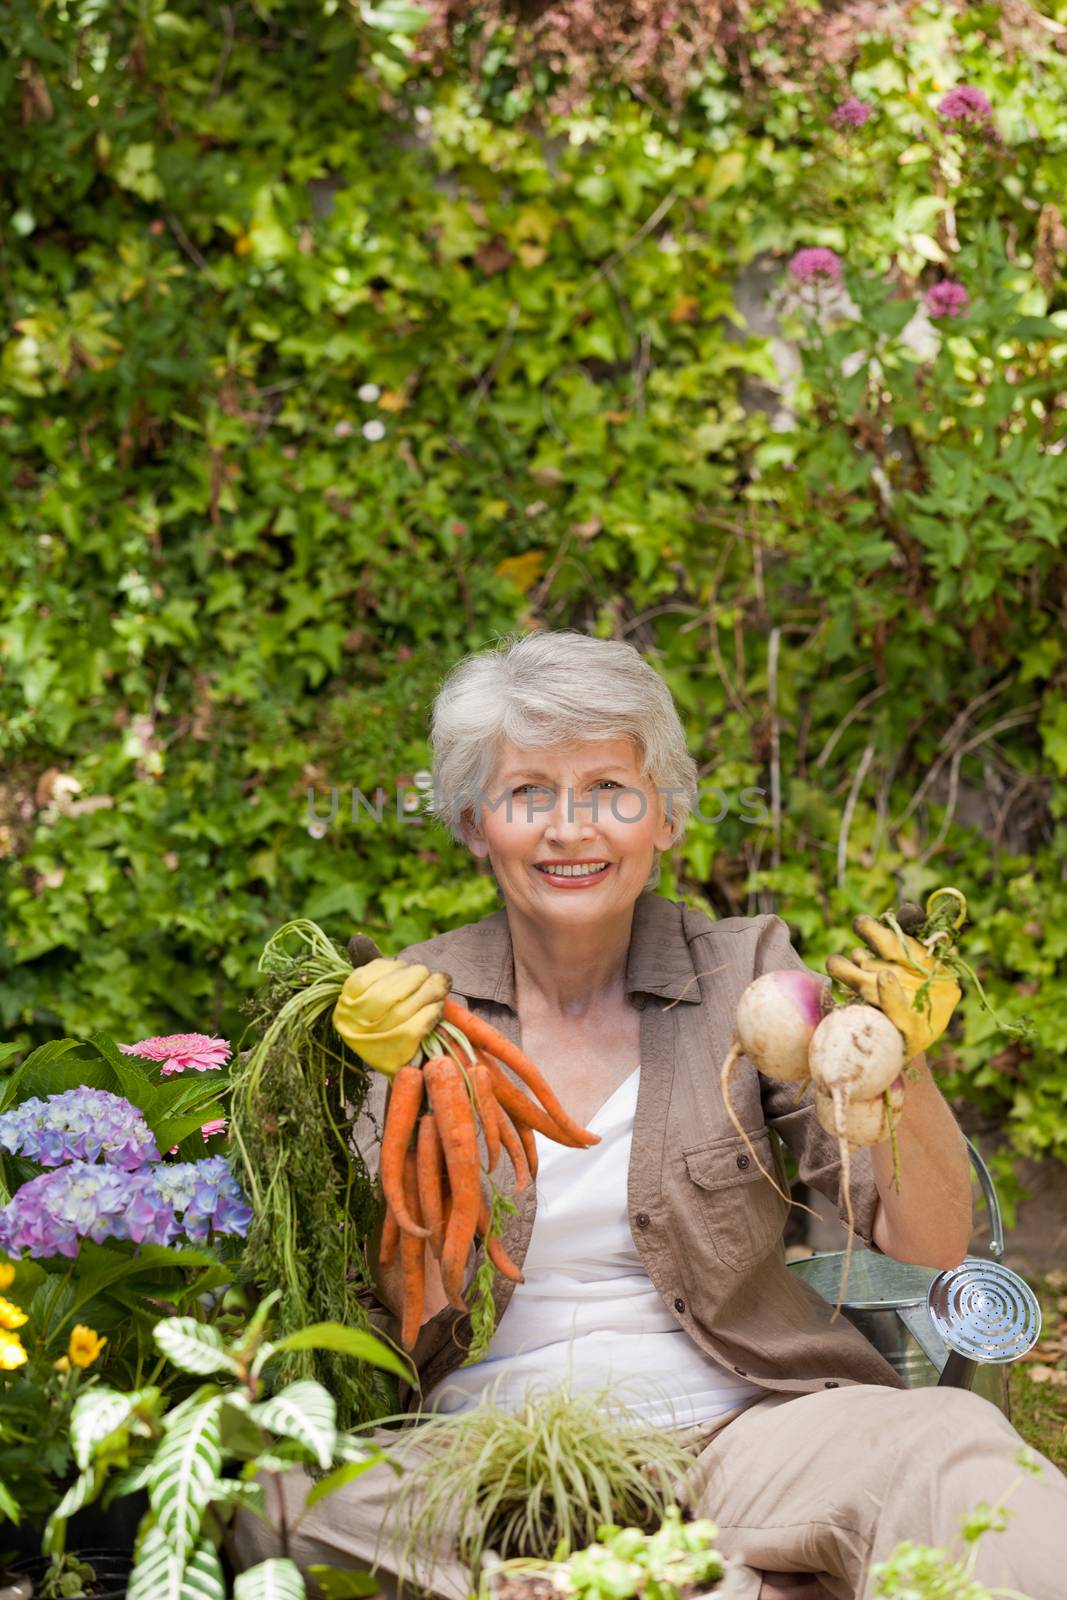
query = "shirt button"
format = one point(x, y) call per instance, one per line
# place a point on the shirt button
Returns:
point(679, 1305)
point(642, 1219)
point(831, 1383)
point(742, 1162)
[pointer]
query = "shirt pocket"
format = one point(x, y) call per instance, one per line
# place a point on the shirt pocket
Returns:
point(743, 1216)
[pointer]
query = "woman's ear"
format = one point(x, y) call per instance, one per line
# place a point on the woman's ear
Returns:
point(667, 832)
point(473, 835)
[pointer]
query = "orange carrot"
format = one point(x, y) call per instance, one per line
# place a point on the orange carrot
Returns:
point(513, 1145)
point(428, 1159)
point(517, 1103)
point(390, 1238)
point(529, 1143)
point(405, 1098)
point(487, 1111)
point(451, 1107)
point(413, 1260)
point(495, 1250)
point(483, 1033)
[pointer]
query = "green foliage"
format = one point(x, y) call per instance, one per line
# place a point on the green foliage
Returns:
point(628, 1561)
point(299, 406)
point(298, 1092)
point(533, 1481)
point(199, 1460)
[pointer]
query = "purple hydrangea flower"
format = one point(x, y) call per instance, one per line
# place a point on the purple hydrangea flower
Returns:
point(852, 113)
point(82, 1124)
point(965, 103)
point(51, 1214)
point(807, 266)
point(947, 299)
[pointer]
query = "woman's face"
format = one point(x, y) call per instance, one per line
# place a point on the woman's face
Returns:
point(583, 806)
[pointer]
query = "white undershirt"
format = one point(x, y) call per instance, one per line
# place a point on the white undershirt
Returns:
point(588, 1314)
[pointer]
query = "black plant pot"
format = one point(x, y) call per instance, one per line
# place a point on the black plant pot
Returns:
point(112, 1568)
point(94, 1527)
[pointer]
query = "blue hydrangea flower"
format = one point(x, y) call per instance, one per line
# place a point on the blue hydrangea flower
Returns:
point(190, 1200)
point(81, 1124)
point(208, 1196)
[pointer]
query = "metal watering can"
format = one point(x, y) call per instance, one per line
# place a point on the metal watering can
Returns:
point(961, 1328)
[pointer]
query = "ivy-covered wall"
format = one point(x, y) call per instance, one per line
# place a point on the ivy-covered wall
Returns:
point(339, 342)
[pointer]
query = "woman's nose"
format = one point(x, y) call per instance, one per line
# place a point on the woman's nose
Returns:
point(569, 818)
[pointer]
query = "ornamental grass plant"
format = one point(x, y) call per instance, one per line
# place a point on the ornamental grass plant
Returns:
point(538, 1481)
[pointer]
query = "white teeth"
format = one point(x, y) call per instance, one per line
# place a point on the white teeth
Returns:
point(573, 872)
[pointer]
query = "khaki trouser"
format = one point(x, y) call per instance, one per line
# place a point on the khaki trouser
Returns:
point(825, 1483)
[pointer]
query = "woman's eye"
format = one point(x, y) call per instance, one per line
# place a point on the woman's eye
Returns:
point(522, 786)
point(601, 781)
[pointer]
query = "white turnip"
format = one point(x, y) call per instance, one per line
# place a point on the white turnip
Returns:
point(777, 1017)
point(855, 1054)
point(775, 1022)
point(787, 1026)
point(864, 1122)
point(855, 1049)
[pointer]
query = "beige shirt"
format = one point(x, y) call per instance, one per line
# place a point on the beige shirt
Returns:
point(706, 1223)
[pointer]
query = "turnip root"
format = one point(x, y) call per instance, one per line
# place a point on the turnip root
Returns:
point(855, 1049)
point(777, 1017)
point(856, 1053)
point(865, 1122)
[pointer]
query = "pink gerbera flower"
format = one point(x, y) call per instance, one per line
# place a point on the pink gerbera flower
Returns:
point(807, 266)
point(181, 1052)
point(852, 113)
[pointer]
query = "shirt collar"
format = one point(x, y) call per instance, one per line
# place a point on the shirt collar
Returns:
point(480, 963)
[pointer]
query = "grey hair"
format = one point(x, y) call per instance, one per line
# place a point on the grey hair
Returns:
point(554, 688)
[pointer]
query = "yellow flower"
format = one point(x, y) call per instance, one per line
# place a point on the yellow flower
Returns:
point(11, 1316)
point(7, 1274)
point(63, 1364)
point(12, 1354)
point(85, 1345)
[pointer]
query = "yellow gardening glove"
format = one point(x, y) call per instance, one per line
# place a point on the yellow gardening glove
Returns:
point(890, 979)
point(387, 1008)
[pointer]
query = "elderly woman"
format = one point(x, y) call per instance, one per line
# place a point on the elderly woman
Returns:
point(654, 1259)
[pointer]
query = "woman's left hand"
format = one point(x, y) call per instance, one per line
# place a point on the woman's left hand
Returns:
point(891, 979)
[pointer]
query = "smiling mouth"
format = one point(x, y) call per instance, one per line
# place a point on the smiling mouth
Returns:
point(572, 871)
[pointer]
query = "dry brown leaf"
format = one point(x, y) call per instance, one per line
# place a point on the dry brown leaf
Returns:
point(493, 257)
point(686, 309)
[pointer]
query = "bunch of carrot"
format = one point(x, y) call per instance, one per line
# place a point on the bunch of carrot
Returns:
point(430, 1166)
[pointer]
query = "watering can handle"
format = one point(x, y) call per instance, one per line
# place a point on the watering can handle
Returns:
point(989, 1194)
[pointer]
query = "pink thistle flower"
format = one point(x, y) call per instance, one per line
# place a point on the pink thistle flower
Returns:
point(965, 103)
point(947, 299)
point(807, 266)
point(852, 113)
point(180, 1052)
point(211, 1128)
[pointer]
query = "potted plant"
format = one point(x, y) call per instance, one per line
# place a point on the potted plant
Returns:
point(197, 1460)
point(537, 1482)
